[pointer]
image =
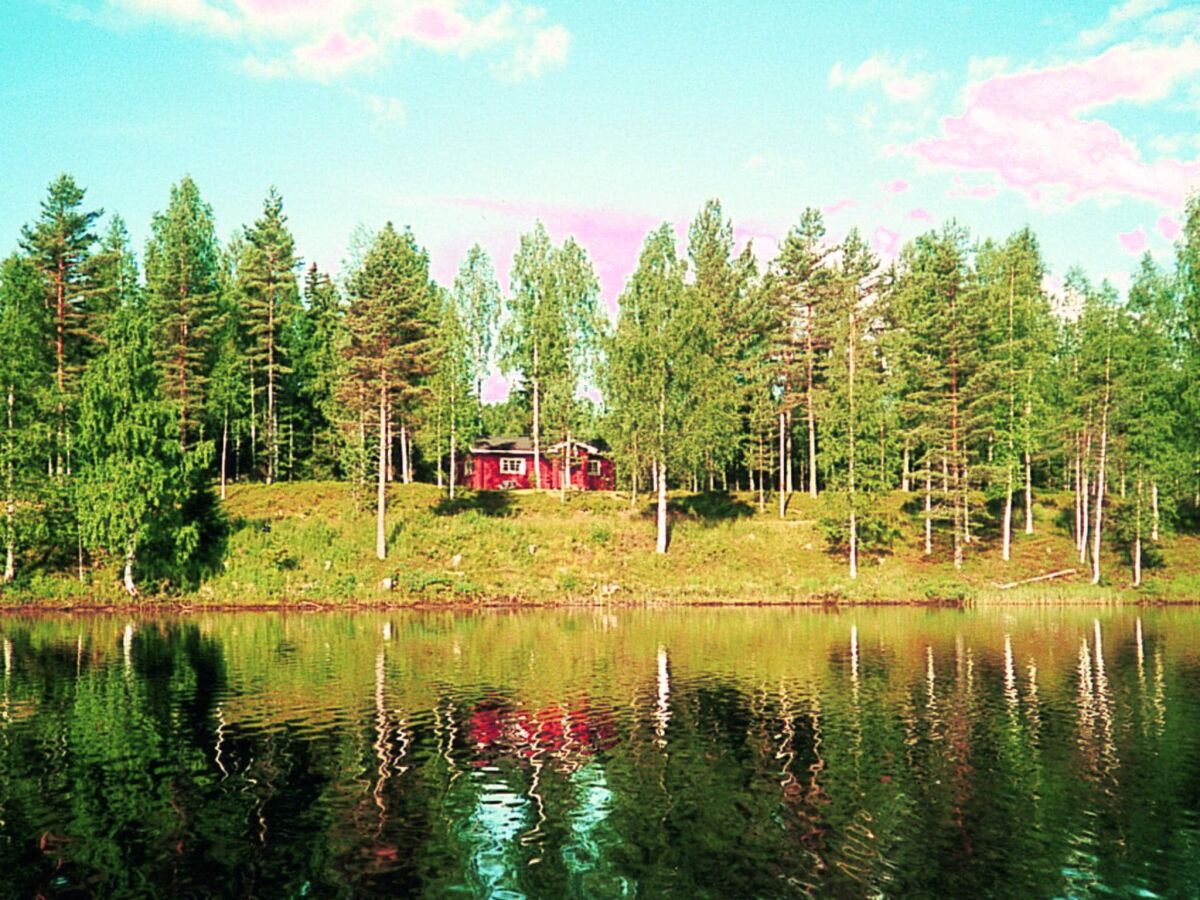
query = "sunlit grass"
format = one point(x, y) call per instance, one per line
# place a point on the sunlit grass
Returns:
point(307, 542)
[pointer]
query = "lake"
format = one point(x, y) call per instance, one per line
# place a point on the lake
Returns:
point(1024, 752)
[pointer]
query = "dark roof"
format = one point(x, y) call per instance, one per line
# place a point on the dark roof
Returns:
point(523, 444)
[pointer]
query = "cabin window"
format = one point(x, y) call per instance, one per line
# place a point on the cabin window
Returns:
point(512, 465)
point(594, 467)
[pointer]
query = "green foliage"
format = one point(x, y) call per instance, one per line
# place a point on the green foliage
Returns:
point(140, 496)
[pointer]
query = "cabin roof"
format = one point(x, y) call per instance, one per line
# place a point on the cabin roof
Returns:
point(523, 445)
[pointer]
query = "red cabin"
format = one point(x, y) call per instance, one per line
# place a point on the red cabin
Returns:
point(506, 463)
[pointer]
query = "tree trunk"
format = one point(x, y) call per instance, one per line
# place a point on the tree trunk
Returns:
point(566, 482)
point(10, 500)
point(1085, 497)
point(789, 453)
point(391, 448)
point(966, 502)
point(782, 468)
point(810, 408)
point(762, 477)
point(453, 455)
point(1137, 538)
point(1100, 475)
point(406, 475)
point(928, 512)
point(1006, 527)
point(130, 587)
point(904, 478)
point(1028, 493)
point(537, 425)
point(272, 423)
point(224, 449)
point(1154, 511)
point(661, 545)
point(253, 424)
point(851, 429)
point(381, 488)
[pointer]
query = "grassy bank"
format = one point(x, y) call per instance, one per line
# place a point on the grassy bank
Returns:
point(307, 543)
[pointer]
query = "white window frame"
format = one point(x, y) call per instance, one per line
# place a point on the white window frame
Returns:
point(594, 468)
point(512, 465)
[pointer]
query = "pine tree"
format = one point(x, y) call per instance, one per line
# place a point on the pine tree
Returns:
point(182, 271)
point(389, 334)
point(60, 243)
point(802, 282)
point(853, 388)
point(267, 279)
point(716, 284)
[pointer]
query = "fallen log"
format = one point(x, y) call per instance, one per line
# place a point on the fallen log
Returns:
point(1058, 574)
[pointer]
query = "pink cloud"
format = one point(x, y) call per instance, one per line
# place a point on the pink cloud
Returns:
point(335, 53)
point(1168, 227)
point(1133, 241)
point(973, 191)
point(1027, 127)
point(920, 215)
point(899, 186)
point(435, 26)
point(834, 208)
point(887, 241)
point(612, 238)
point(495, 389)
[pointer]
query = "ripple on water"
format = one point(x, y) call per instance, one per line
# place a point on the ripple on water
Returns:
point(697, 752)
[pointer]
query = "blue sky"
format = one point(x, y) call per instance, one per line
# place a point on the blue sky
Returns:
point(466, 120)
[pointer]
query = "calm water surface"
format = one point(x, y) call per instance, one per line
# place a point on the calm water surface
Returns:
point(690, 753)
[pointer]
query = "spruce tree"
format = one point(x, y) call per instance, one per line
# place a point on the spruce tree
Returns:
point(136, 482)
point(182, 270)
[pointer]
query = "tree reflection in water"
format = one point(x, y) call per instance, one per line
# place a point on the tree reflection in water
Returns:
point(697, 752)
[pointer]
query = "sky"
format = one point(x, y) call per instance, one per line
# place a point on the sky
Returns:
point(469, 119)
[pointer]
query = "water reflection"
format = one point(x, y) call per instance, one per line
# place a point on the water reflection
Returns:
point(698, 752)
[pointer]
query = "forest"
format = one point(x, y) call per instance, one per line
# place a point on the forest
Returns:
point(138, 387)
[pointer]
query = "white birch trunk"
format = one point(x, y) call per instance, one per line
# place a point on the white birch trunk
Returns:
point(1154, 511)
point(1100, 473)
point(10, 500)
point(1137, 538)
point(381, 481)
point(1028, 493)
point(782, 468)
point(224, 449)
point(130, 587)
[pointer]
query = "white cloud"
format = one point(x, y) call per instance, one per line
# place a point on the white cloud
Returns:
point(893, 78)
point(1118, 17)
point(327, 39)
point(385, 110)
point(548, 49)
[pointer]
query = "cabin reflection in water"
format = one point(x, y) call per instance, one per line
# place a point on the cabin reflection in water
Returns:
point(741, 753)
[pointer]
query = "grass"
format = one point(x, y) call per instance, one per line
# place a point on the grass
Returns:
point(307, 543)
